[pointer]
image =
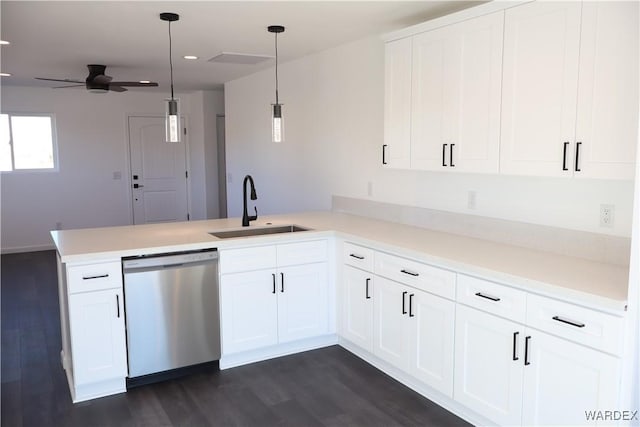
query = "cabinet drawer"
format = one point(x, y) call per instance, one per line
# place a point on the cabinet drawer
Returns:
point(94, 277)
point(420, 276)
point(582, 325)
point(357, 256)
point(247, 259)
point(492, 297)
point(302, 253)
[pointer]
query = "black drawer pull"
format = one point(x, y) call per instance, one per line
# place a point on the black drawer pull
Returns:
point(410, 273)
point(281, 282)
point(578, 144)
point(569, 322)
point(404, 310)
point(526, 350)
point(444, 154)
point(274, 283)
point(366, 289)
point(384, 159)
point(118, 304)
point(411, 305)
point(489, 297)
point(102, 276)
point(356, 256)
point(451, 156)
point(564, 156)
point(515, 345)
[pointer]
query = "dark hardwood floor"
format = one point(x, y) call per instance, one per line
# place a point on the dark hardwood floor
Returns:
point(327, 387)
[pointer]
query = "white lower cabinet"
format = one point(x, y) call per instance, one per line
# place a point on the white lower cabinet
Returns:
point(97, 336)
point(358, 291)
point(413, 330)
point(512, 374)
point(488, 365)
point(277, 305)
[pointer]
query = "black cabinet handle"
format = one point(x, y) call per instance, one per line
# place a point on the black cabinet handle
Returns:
point(102, 276)
point(281, 282)
point(273, 275)
point(451, 156)
point(410, 273)
point(411, 305)
point(489, 297)
point(356, 256)
point(366, 289)
point(404, 310)
point(569, 322)
point(384, 149)
point(444, 154)
point(515, 345)
point(118, 304)
point(564, 156)
point(526, 350)
point(578, 144)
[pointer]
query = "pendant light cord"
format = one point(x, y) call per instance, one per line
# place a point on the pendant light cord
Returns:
point(276, 68)
point(170, 61)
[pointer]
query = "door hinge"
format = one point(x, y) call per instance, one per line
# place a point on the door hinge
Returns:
point(185, 131)
point(186, 174)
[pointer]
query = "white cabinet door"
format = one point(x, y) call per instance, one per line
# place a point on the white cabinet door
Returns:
point(96, 321)
point(303, 306)
point(358, 307)
point(431, 332)
point(539, 89)
point(397, 104)
point(390, 331)
point(488, 365)
point(248, 310)
point(607, 120)
point(474, 126)
point(433, 82)
point(563, 380)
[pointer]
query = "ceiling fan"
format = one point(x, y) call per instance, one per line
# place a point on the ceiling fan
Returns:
point(98, 82)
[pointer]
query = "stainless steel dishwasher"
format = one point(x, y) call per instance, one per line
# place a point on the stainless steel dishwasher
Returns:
point(172, 311)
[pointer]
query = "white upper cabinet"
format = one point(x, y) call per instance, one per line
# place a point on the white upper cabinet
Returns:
point(540, 83)
point(607, 116)
point(455, 112)
point(570, 92)
point(397, 105)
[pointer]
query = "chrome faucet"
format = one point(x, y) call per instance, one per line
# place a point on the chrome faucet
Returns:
point(245, 216)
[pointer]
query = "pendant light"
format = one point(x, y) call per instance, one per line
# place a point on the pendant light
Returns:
point(277, 122)
point(172, 117)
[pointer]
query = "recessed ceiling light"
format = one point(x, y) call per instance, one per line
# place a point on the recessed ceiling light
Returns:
point(190, 57)
point(4, 42)
point(5, 74)
point(144, 82)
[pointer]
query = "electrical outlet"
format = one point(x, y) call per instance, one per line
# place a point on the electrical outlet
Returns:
point(471, 200)
point(369, 188)
point(607, 213)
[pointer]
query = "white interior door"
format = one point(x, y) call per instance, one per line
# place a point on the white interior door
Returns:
point(158, 173)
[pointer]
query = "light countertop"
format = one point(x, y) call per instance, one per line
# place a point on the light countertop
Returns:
point(590, 283)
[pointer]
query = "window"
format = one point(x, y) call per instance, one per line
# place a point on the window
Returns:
point(27, 142)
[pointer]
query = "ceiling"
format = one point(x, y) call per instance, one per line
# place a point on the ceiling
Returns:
point(57, 39)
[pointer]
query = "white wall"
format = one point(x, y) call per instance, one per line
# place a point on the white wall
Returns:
point(92, 145)
point(213, 105)
point(333, 109)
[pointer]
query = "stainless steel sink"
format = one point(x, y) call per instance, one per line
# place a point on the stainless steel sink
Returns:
point(247, 232)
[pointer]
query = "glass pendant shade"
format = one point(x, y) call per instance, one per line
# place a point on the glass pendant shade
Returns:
point(172, 120)
point(277, 124)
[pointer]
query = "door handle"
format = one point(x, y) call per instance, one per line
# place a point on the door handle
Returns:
point(515, 345)
point(118, 304)
point(138, 185)
point(384, 150)
point(366, 289)
point(404, 310)
point(569, 322)
point(489, 297)
point(444, 154)
point(411, 305)
point(281, 282)
point(578, 144)
point(564, 157)
point(526, 350)
point(273, 275)
point(451, 155)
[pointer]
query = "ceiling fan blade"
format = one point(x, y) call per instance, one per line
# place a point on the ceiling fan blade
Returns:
point(135, 84)
point(61, 87)
point(60, 80)
point(117, 88)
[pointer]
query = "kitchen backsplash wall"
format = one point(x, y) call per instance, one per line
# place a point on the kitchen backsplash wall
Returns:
point(333, 110)
point(562, 241)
